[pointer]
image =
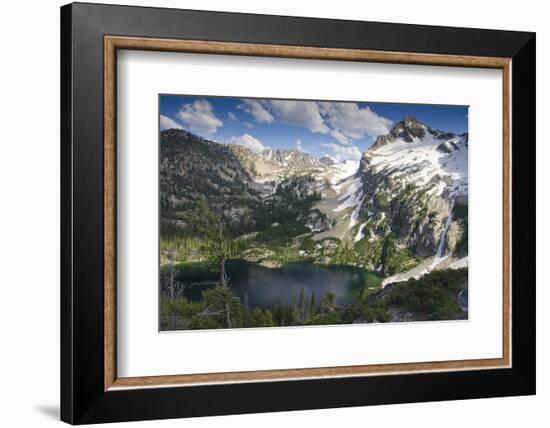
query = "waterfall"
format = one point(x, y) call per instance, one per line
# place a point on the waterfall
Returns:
point(439, 252)
point(429, 265)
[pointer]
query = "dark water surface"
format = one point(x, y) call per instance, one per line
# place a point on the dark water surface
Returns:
point(266, 286)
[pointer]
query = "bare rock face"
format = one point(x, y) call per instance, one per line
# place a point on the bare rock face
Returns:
point(447, 147)
point(291, 161)
point(431, 226)
point(273, 164)
point(408, 129)
point(454, 234)
point(318, 222)
point(301, 186)
point(327, 160)
point(261, 255)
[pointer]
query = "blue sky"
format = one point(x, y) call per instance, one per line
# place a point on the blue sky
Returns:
point(340, 129)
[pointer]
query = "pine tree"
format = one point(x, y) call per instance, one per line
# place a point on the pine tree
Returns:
point(301, 304)
point(312, 309)
point(224, 278)
point(328, 303)
point(246, 311)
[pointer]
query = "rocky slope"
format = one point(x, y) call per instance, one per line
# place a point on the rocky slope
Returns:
point(194, 170)
point(328, 160)
point(414, 192)
point(277, 165)
point(292, 161)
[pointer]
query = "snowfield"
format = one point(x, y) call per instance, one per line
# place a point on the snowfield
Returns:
point(424, 161)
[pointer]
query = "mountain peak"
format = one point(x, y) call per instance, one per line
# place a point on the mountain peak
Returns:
point(407, 129)
point(290, 159)
point(412, 119)
point(174, 132)
point(328, 160)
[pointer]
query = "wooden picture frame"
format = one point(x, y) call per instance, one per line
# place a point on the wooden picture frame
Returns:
point(91, 390)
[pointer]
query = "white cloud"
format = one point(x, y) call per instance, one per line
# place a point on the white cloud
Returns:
point(353, 121)
point(257, 110)
point(248, 141)
point(344, 121)
point(300, 147)
point(301, 113)
point(248, 124)
point(167, 123)
point(232, 116)
point(343, 152)
point(339, 136)
point(200, 117)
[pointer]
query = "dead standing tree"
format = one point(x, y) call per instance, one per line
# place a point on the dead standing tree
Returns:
point(173, 287)
point(224, 278)
point(171, 273)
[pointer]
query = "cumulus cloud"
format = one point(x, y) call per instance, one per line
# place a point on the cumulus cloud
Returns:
point(248, 124)
point(301, 113)
point(353, 121)
point(232, 116)
point(342, 120)
point(300, 147)
point(167, 123)
point(343, 152)
point(257, 110)
point(339, 136)
point(200, 117)
point(248, 141)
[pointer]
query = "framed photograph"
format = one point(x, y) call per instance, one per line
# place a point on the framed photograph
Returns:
point(266, 213)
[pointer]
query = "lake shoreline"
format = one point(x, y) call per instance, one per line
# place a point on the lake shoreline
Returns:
point(265, 286)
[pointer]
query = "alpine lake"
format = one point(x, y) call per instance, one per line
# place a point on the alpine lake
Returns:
point(264, 287)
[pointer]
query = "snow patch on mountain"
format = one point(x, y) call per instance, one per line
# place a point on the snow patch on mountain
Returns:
point(341, 171)
point(422, 162)
point(359, 234)
point(350, 193)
